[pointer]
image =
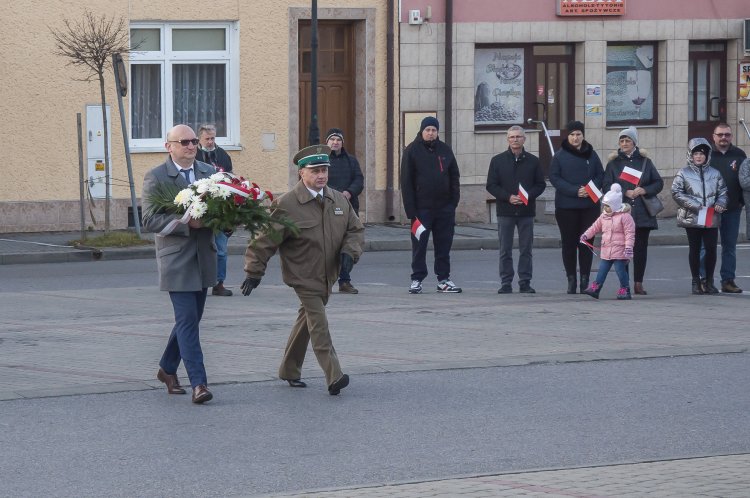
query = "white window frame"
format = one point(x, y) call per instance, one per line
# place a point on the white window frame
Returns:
point(166, 58)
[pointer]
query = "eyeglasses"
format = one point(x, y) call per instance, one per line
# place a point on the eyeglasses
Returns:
point(185, 142)
point(721, 135)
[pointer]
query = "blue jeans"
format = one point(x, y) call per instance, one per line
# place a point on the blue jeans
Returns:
point(729, 231)
point(184, 341)
point(221, 256)
point(621, 268)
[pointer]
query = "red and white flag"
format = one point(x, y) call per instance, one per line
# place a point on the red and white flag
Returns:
point(417, 229)
point(523, 194)
point(631, 175)
point(594, 193)
point(706, 217)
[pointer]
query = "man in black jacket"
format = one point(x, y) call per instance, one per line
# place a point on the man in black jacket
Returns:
point(515, 179)
point(430, 190)
point(210, 153)
point(344, 175)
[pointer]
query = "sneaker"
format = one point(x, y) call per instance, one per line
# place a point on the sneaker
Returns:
point(593, 290)
point(347, 288)
point(623, 294)
point(416, 287)
point(730, 287)
point(447, 286)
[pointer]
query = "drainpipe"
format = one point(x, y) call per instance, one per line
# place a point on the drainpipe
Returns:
point(389, 115)
point(448, 71)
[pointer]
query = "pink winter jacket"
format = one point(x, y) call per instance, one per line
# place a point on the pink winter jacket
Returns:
point(618, 232)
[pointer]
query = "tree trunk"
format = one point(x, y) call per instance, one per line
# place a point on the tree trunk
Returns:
point(106, 155)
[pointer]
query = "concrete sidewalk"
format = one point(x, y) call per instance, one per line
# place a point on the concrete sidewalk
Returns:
point(54, 247)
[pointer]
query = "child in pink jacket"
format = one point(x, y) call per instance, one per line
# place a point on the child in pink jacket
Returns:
point(618, 236)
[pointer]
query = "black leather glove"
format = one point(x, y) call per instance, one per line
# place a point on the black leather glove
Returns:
point(248, 285)
point(228, 232)
point(347, 263)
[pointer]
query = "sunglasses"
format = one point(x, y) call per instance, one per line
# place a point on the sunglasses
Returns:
point(720, 135)
point(186, 142)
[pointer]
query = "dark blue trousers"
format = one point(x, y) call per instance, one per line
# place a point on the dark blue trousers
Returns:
point(441, 224)
point(184, 341)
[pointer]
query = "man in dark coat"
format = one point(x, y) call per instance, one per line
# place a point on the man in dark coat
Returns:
point(515, 178)
point(345, 176)
point(727, 158)
point(210, 153)
point(430, 190)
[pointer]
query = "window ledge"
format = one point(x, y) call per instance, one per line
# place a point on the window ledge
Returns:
point(151, 150)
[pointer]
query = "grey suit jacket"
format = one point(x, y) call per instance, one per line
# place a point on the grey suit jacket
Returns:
point(186, 258)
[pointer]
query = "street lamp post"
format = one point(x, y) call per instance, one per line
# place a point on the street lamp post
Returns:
point(314, 134)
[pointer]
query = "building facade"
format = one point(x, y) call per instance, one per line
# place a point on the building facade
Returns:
point(670, 68)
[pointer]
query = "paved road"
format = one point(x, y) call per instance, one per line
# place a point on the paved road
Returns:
point(269, 438)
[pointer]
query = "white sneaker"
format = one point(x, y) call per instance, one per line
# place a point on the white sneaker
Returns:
point(416, 287)
point(448, 286)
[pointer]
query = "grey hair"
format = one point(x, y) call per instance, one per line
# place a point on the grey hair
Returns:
point(517, 128)
point(206, 127)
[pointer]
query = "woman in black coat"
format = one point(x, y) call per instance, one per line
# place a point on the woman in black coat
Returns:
point(572, 168)
point(633, 192)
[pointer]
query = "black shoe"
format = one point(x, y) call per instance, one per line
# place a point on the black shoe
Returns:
point(697, 286)
point(730, 287)
point(525, 288)
point(295, 382)
point(337, 386)
point(710, 288)
point(220, 290)
point(584, 282)
point(505, 289)
point(572, 284)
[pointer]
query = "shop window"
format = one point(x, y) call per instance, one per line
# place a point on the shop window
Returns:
point(182, 74)
point(631, 84)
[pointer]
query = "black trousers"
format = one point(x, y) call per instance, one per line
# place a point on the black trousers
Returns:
point(572, 223)
point(640, 253)
point(709, 237)
point(441, 223)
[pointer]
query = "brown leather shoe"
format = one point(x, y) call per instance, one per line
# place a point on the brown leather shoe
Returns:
point(347, 288)
point(220, 290)
point(172, 382)
point(638, 289)
point(201, 394)
point(730, 287)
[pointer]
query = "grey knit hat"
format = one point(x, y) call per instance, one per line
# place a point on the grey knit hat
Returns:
point(631, 133)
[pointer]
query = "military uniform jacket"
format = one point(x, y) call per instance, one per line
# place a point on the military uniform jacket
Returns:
point(309, 260)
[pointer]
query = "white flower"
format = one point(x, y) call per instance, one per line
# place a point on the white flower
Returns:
point(222, 192)
point(198, 209)
point(218, 177)
point(203, 185)
point(183, 197)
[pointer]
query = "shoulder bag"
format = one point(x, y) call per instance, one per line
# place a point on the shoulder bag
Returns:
point(653, 204)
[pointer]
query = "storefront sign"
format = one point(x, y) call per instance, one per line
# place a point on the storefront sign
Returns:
point(590, 8)
point(743, 92)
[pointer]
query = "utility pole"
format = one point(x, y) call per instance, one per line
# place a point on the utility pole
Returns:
point(314, 135)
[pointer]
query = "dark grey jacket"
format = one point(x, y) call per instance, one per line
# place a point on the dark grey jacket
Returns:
point(650, 181)
point(506, 173)
point(344, 173)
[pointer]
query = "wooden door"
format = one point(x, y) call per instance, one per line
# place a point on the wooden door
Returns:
point(553, 79)
point(707, 88)
point(336, 81)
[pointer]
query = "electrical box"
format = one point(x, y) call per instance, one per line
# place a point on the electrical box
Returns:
point(96, 176)
point(415, 16)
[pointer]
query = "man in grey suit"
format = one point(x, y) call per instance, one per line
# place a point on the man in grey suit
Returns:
point(186, 259)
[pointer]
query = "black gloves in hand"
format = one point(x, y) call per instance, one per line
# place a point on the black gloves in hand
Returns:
point(347, 263)
point(228, 232)
point(248, 285)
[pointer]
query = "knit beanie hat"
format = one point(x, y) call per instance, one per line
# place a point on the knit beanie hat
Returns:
point(335, 132)
point(429, 121)
point(631, 133)
point(575, 126)
point(613, 198)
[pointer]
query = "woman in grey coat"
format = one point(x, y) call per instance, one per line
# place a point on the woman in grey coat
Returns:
point(701, 194)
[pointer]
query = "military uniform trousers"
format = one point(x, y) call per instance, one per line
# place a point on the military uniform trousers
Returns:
point(311, 326)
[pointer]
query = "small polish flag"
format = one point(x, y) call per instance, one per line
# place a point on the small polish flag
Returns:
point(523, 194)
point(631, 175)
point(417, 229)
point(594, 193)
point(706, 217)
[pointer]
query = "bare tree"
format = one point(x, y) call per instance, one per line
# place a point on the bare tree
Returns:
point(89, 43)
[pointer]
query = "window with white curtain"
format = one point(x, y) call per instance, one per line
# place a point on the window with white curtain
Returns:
point(183, 73)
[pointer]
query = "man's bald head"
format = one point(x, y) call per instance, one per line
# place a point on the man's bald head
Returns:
point(182, 145)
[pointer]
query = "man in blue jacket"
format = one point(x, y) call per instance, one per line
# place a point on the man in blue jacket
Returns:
point(515, 178)
point(430, 191)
